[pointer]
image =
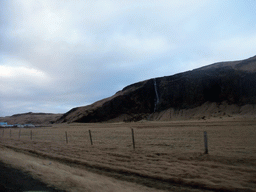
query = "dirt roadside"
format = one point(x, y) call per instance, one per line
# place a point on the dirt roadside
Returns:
point(14, 180)
point(72, 178)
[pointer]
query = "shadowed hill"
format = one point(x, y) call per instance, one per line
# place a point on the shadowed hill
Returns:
point(232, 83)
point(34, 118)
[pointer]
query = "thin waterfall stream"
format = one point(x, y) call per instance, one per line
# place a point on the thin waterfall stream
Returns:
point(157, 97)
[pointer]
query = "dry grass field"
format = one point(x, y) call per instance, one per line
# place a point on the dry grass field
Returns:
point(166, 153)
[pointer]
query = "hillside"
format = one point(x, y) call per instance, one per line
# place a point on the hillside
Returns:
point(217, 90)
point(34, 118)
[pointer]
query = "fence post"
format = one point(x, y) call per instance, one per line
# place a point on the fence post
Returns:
point(10, 133)
point(133, 141)
point(66, 137)
point(90, 137)
point(205, 143)
point(3, 133)
point(31, 135)
point(19, 133)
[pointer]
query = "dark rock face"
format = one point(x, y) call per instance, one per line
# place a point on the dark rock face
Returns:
point(192, 89)
point(233, 82)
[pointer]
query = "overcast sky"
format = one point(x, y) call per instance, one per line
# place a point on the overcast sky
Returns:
point(60, 54)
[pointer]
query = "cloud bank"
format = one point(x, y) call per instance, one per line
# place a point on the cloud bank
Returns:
point(56, 55)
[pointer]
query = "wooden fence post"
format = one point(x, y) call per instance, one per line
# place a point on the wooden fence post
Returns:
point(133, 141)
point(3, 133)
point(90, 137)
point(66, 137)
point(205, 143)
point(30, 134)
point(10, 133)
point(19, 133)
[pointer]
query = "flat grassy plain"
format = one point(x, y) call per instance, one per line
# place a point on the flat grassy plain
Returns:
point(166, 153)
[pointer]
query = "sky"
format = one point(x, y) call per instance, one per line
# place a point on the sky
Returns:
point(59, 54)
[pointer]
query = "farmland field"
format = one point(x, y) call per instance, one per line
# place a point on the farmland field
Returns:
point(166, 153)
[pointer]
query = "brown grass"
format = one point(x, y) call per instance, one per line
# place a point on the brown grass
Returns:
point(166, 152)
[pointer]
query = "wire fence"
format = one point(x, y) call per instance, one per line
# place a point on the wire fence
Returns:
point(231, 139)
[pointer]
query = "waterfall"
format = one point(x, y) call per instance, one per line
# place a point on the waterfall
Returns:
point(157, 97)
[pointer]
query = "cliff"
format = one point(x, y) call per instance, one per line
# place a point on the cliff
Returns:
point(220, 84)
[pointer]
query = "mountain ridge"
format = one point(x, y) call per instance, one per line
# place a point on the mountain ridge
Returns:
point(237, 65)
point(230, 82)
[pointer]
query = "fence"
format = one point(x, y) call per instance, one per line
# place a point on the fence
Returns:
point(231, 139)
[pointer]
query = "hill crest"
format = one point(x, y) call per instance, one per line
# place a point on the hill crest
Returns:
point(232, 83)
point(31, 118)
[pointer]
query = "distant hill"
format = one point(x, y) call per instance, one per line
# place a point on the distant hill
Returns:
point(34, 118)
point(224, 89)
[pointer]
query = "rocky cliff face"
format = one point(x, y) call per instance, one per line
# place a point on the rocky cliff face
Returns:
point(229, 82)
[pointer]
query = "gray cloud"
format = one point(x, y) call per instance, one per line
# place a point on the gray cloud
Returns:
point(55, 55)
